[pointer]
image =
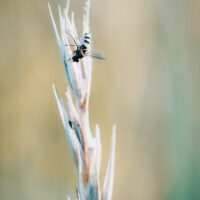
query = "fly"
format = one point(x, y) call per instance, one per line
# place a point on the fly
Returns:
point(83, 49)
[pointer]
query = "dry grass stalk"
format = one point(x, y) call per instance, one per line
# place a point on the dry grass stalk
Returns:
point(86, 149)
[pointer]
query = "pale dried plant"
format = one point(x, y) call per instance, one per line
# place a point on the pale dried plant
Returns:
point(85, 149)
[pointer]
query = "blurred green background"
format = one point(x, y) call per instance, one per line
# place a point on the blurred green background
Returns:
point(149, 87)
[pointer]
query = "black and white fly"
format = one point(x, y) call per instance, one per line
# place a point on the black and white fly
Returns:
point(83, 49)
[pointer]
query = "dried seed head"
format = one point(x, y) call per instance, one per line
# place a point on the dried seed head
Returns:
point(86, 150)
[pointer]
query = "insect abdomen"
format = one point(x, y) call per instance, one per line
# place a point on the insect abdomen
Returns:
point(85, 40)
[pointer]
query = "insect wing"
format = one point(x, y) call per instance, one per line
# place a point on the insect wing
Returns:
point(82, 39)
point(72, 42)
point(96, 54)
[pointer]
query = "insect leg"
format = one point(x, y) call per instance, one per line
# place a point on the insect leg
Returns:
point(70, 45)
point(82, 53)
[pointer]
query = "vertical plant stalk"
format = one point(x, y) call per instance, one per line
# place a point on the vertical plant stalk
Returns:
point(85, 149)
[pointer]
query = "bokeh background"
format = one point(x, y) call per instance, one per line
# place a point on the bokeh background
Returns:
point(149, 87)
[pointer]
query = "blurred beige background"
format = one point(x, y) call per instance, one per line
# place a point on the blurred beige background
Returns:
point(149, 87)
